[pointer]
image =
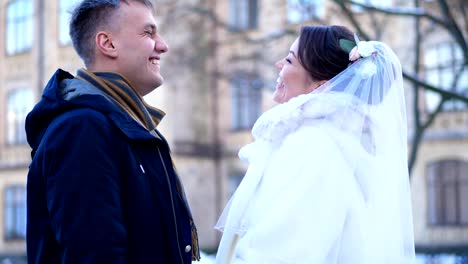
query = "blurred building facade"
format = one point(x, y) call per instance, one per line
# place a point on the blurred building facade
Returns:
point(440, 175)
point(220, 75)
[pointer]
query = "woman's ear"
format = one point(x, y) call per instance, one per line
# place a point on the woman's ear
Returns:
point(105, 45)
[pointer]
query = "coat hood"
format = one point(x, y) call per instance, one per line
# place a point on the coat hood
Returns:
point(64, 93)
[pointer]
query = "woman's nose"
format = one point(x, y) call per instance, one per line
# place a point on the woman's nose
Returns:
point(279, 64)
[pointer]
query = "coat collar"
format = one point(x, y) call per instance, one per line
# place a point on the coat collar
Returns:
point(81, 93)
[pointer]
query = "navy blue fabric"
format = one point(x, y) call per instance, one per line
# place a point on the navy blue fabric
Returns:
point(97, 191)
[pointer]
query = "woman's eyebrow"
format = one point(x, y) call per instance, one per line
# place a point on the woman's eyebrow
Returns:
point(292, 52)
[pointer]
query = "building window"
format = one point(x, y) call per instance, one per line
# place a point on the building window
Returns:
point(448, 192)
point(245, 99)
point(442, 63)
point(20, 102)
point(234, 181)
point(19, 29)
point(243, 14)
point(303, 10)
point(15, 212)
point(66, 6)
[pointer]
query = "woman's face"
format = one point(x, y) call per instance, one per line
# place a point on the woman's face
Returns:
point(293, 79)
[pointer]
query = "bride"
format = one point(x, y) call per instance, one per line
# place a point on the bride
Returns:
point(327, 181)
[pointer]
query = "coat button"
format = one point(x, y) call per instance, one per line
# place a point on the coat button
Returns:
point(188, 248)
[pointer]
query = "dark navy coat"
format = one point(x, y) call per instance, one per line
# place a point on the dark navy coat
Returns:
point(100, 189)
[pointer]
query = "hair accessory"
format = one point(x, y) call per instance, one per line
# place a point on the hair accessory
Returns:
point(358, 49)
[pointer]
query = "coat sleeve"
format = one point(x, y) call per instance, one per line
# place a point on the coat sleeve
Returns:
point(302, 209)
point(83, 188)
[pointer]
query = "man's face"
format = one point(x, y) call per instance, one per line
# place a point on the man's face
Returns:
point(139, 46)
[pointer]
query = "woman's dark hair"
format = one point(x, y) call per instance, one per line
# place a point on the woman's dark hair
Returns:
point(320, 53)
point(87, 18)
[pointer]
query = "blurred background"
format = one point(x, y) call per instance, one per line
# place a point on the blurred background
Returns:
point(220, 76)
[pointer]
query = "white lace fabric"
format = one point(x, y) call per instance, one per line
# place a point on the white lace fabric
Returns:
point(337, 158)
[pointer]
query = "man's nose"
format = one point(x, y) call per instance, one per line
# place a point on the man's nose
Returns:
point(161, 46)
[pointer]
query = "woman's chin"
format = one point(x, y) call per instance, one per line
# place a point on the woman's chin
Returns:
point(279, 97)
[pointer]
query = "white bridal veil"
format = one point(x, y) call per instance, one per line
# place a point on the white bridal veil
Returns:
point(363, 110)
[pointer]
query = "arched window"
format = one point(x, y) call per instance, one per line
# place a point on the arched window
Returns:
point(234, 180)
point(15, 212)
point(447, 182)
point(19, 29)
point(65, 8)
point(243, 14)
point(245, 100)
point(20, 102)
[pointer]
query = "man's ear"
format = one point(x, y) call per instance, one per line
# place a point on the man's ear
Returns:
point(105, 45)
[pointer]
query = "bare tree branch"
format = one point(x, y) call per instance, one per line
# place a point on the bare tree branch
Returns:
point(406, 75)
point(209, 13)
point(444, 93)
point(448, 22)
point(352, 19)
point(401, 11)
point(453, 28)
point(463, 6)
point(418, 132)
point(206, 12)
